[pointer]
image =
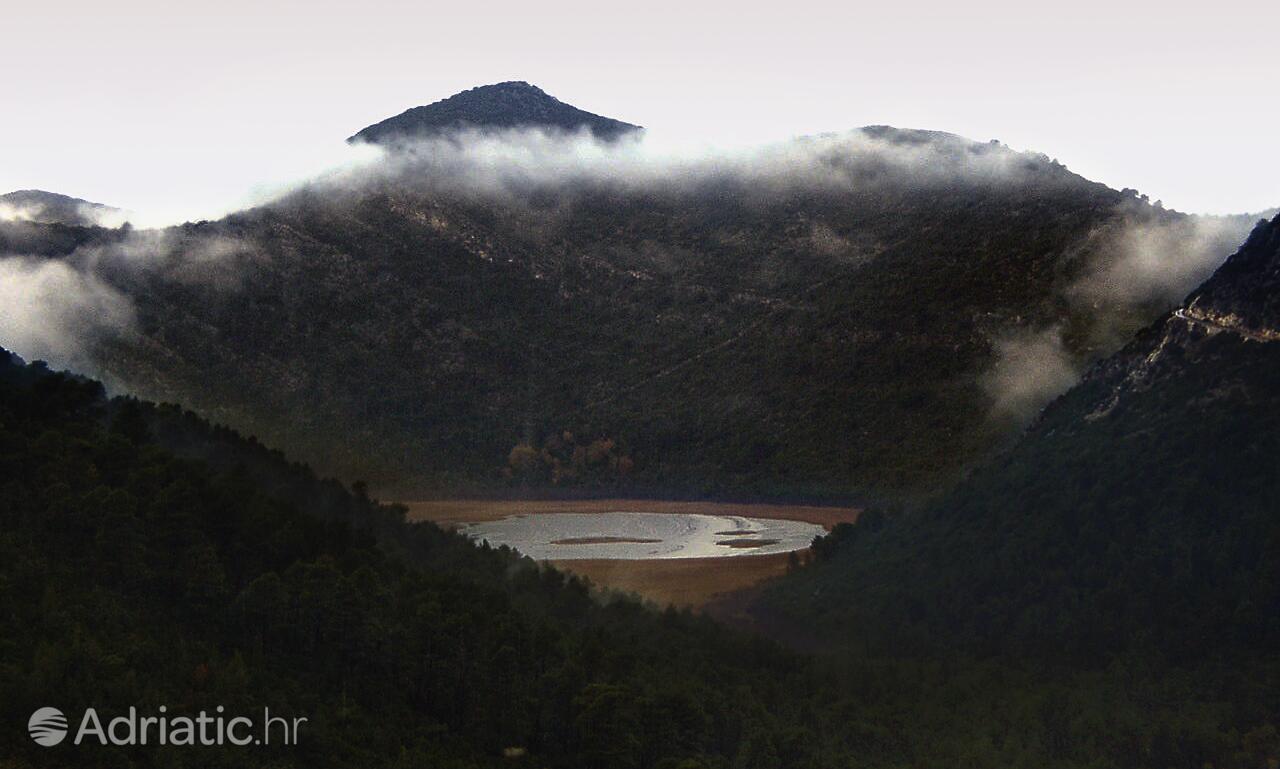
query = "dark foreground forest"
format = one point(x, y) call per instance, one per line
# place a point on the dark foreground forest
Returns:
point(148, 558)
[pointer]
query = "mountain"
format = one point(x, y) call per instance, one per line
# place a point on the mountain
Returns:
point(503, 106)
point(829, 316)
point(1140, 512)
point(53, 208)
point(882, 309)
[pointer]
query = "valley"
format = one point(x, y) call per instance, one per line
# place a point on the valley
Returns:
point(491, 453)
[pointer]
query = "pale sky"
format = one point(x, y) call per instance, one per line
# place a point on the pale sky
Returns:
point(177, 109)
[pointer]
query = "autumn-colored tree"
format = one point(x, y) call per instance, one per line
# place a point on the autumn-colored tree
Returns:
point(599, 450)
point(523, 459)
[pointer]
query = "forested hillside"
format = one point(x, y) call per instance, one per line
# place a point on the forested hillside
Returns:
point(149, 559)
point(1141, 509)
point(831, 316)
point(1135, 524)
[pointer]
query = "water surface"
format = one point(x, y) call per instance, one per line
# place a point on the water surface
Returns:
point(628, 535)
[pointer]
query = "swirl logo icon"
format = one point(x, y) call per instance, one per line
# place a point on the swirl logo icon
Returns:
point(48, 727)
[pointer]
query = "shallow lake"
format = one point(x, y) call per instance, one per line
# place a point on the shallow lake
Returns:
point(639, 535)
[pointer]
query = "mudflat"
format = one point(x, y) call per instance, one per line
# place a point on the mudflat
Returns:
point(684, 582)
point(453, 511)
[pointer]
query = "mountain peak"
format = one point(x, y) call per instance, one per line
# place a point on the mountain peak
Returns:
point(511, 85)
point(508, 105)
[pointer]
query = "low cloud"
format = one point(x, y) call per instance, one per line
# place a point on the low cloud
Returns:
point(1145, 262)
point(69, 211)
point(60, 308)
point(511, 162)
point(1143, 267)
point(1031, 368)
point(1162, 261)
point(54, 312)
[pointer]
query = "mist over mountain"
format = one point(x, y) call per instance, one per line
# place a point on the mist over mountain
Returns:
point(1244, 294)
point(54, 208)
point(869, 310)
point(1138, 513)
point(502, 106)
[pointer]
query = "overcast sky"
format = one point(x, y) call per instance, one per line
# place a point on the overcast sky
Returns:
point(176, 109)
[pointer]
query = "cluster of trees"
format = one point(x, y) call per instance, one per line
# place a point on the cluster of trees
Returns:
point(563, 461)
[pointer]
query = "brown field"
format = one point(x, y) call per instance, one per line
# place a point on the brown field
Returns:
point(683, 582)
point(447, 511)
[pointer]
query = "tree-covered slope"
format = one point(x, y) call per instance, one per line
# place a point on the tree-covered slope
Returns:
point(148, 559)
point(1141, 512)
point(838, 314)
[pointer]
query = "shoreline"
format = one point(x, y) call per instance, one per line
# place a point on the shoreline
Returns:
point(692, 583)
point(686, 583)
point(450, 512)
